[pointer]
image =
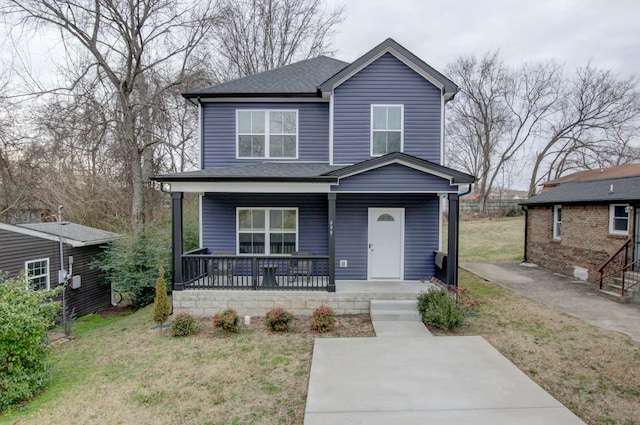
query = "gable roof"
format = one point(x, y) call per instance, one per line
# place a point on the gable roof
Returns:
point(455, 177)
point(311, 77)
point(297, 79)
point(625, 189)
point(73, 234)
point(628, 170)
point(448, 87)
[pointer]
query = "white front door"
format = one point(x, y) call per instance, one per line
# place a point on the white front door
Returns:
point(386, 243)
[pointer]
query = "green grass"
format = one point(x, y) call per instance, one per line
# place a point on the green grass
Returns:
point(490, 240)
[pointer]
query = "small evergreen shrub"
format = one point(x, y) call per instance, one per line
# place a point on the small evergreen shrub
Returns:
point(25, 316)
point(323, 319)
point(183, 325)
point(278, 319)
point(161, 307)
point(228, 321)
point(438, 308)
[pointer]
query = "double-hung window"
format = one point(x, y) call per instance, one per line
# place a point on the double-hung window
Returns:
point(37, 273)
point(267, 133)
point(619, 219)
point(268, 231)
point(387, 124)
point(557, 222)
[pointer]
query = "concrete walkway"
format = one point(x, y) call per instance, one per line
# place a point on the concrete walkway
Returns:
point(573, 297)
point(407, 376)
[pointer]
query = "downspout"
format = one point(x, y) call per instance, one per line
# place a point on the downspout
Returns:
point(453, 242)
point(525, 208)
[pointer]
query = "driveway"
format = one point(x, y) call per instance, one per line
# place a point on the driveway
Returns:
point(573, 297)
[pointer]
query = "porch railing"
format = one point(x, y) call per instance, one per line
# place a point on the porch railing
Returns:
point(202, 270)
point(619, 264)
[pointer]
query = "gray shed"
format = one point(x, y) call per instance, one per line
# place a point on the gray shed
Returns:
point(35, 250)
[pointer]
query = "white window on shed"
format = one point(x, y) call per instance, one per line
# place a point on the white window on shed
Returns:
point(37, 273)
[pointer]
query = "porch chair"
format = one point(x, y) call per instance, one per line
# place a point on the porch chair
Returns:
point(297, 267)
point(223, 268)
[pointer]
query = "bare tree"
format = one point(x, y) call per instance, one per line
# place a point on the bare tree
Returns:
point(138, 49)
point(258, 35)
point(496, 115)
point(594, 123)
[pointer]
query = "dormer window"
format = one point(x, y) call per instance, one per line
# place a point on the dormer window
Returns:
point(387, 123)
point(267, 134)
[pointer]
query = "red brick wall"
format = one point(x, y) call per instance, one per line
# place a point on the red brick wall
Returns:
point(585, 241)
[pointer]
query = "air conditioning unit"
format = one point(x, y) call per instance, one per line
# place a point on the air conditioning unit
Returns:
point(76, 282)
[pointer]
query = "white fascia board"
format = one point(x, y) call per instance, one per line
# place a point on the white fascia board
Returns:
point(442, 130)
point(48, 236)
point(263, 99)
point(390, 192)
point(430, 78)
point(250, 187)
point(331, 107)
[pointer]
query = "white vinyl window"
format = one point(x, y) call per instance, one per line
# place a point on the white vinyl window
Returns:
point(268, 231)
point(557, 222)
point(619, 219)
point(387, 125)
point(37, 273)
point(267, 134)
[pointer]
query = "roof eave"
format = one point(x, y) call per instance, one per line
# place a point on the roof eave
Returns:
point(244, 179)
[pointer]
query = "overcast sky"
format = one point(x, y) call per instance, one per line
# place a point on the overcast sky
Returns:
point(607, 32)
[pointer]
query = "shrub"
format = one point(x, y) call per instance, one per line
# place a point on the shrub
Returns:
point(323, 319)
point(278, 319)
point(228, 321)
point(161, 305)
point(25, 316)
point(183, 325)
point(439, 309)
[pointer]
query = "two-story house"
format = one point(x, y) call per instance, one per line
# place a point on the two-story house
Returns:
point(319, 172)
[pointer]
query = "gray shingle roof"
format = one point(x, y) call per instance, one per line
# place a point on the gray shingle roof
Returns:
point(76, 232)
point(625, 189)
point(267, 171)
point(302, 77)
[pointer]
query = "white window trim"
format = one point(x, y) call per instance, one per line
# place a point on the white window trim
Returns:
point(612, 208)
point(267, 229)
point(267, 134)
point(48, 275)
point(386, 105)
point(557, 236)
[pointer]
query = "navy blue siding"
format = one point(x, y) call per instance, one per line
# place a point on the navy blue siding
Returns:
point(421, 233)
point(394, 178)
point(219, 131)
point(386, 81)
point(219, 219)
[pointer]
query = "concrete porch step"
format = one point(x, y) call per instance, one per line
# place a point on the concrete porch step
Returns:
point(396, 316)
point(394, 310)
point(380, 305)
point(613, 295)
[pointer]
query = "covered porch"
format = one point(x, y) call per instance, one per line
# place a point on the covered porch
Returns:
point(344, 218)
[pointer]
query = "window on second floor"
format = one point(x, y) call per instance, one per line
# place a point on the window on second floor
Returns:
point(387, 123)
point(557, 222)
point(267, 133)
point(37, 272)
point(619, 219)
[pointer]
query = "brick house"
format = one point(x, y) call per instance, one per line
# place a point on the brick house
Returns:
point(578, 225)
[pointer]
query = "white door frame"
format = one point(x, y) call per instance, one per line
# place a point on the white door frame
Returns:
point(375, 211)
